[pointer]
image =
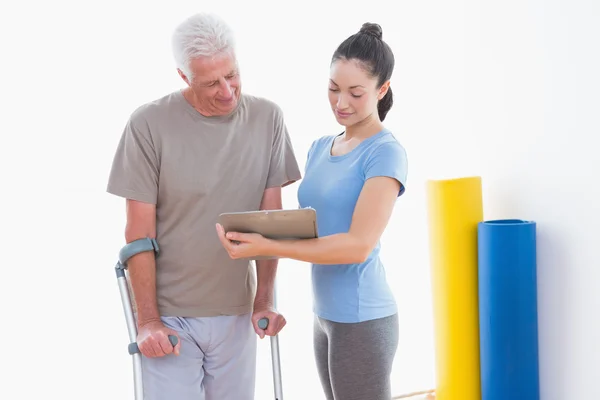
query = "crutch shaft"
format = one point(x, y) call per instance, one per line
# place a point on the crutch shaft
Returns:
point(277, 385)
point(132, 330)
point(127, 308)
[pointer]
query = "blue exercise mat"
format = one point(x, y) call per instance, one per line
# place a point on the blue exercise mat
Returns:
point(508, 310)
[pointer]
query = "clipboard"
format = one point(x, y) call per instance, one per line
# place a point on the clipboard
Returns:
point(273, 224)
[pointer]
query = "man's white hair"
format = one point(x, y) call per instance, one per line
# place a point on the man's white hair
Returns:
point(201, 35)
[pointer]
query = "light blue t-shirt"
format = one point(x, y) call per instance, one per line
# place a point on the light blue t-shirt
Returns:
point(331, 185)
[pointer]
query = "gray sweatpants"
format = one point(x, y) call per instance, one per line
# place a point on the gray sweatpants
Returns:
point(217, 361)
point(355, 360)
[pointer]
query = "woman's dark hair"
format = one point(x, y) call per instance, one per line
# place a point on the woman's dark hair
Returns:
point(368, 47)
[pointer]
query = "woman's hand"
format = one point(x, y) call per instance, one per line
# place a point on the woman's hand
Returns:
point(243, 245)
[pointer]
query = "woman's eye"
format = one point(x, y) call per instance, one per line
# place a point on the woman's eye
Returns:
point(356, 96)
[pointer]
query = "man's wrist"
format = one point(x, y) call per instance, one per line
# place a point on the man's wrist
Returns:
point(147, 315)
point(263, 301)
point(145, 321)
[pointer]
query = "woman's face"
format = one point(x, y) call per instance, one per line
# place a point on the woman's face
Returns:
point(353, 93)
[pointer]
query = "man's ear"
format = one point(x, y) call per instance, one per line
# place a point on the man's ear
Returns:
point(383, 90)
point(182, 75)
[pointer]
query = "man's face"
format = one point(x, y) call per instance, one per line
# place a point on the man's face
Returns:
point(215, 83)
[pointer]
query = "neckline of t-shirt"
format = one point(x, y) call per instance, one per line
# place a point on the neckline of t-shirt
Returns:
point(355, 150)
point(201, 117)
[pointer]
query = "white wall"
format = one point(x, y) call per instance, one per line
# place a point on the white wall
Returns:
point(504, 90)
point(531, 109)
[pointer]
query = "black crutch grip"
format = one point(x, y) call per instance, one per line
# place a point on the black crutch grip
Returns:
point(133, 347)
point(263, 323)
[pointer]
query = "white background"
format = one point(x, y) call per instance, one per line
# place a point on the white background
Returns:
point(506, 90)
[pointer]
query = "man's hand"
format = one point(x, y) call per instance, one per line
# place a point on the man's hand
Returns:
point(153, 340)
point(276, 320)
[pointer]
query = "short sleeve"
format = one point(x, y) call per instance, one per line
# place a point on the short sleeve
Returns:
point(135, 167)
point(388, 159)
point(283, 166)
point(311, 151)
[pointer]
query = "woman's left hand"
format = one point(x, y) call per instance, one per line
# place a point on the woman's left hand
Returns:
point(243, 245)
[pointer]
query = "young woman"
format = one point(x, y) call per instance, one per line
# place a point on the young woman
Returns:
point(352, 180)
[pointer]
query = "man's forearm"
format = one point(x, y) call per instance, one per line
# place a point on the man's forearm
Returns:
point(142, 276)
point(266, 270)
point(141, 223)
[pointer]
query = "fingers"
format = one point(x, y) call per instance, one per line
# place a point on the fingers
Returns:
point(227, 243)
point(261, 334)
point(276, 324)
point(150, 347)
point(235, 246)
point(224, 241)
point(233, 237)
point(157, 344)
point(236, 236)
point(165, 344)
point(259, 331)
point(146, 347)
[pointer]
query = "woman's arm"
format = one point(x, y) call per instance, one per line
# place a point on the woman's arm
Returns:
point(371, 216)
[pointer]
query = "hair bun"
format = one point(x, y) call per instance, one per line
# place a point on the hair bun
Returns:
point(372, 29)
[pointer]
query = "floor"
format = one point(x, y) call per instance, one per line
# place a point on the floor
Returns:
point(426, 395)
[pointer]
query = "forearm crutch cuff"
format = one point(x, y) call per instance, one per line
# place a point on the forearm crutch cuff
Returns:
point(133, 248)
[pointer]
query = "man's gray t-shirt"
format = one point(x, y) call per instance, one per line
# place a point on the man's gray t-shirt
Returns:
point(193, 168)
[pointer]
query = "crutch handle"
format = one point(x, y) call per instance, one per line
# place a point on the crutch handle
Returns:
point(263, 323)
point(133, 347)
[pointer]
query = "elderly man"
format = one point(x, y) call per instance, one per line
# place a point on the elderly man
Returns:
point(182, 160)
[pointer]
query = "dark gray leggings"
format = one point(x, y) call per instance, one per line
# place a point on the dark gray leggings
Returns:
point(355, 360)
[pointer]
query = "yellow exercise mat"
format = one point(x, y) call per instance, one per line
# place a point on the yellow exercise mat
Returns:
point(455, 207)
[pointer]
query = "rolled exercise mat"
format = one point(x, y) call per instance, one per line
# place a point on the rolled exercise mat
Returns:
point(455, 208)
point(508, 310)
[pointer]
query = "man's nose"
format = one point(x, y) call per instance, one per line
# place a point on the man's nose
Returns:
point(226, 88)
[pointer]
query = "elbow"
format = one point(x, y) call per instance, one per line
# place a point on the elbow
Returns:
point(362, 257)
point(360, 254)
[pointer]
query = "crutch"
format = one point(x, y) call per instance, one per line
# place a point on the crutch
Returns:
point(128, 251)
point(263, 323)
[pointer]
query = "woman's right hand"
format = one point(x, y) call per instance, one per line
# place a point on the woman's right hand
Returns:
point(153, 340)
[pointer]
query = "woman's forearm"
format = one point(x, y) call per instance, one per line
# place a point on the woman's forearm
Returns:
point(342, 248)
